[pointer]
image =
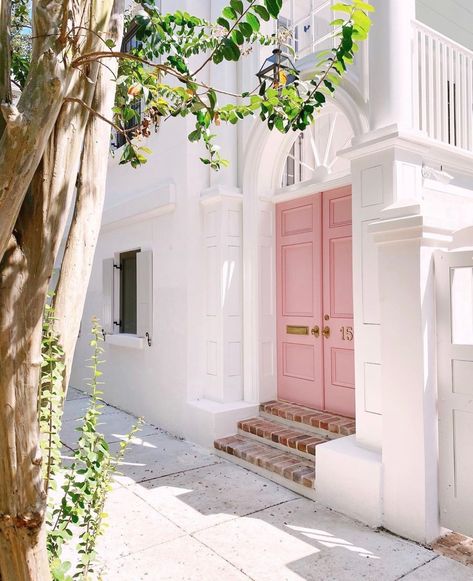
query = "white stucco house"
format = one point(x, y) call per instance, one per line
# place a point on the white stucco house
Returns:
point(328, 273)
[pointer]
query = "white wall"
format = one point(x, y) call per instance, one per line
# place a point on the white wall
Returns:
point(453, 18)
point(156, 381)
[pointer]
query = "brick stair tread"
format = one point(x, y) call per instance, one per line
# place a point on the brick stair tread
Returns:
point(286, 464)
point(282, 434)
point(335, 424)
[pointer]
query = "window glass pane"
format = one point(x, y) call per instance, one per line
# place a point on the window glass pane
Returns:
point(128, 292)
point(462, 305)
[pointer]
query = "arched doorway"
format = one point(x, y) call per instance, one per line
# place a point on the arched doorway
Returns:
point(280, 168)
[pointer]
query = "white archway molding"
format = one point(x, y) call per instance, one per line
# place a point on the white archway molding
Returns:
point(266, 151)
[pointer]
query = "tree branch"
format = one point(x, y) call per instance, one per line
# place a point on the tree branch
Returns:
point(91, 57)
point(94, 112)
point(210, 57)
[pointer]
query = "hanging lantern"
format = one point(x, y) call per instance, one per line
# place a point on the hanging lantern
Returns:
point(278, 69)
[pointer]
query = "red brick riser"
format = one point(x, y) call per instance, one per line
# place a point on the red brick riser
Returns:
point(283, 463)
point(332, 423)
point(283, 441)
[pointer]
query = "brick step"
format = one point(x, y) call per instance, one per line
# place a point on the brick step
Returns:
point(285, 468)
point(309, 420)
point(281, 436)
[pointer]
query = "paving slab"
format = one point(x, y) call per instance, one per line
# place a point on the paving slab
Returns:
point(441, 569)
point(76, 408)
point(114, 424)
point(161, 455)
point(207, 496)
point(303, 540)
point(183, 559)
point(133, 526)
point(73, 393)
point(179, 512)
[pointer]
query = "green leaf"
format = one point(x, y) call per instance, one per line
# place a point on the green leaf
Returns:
point(253, 21)
point(246, 29)
point(364, 5)
point(342, 8)
point(230, 50)
point(238, 37)
point(212, 98)
point(229, 13)
point(237, 5)
point(361, 20)
point(273, 7)
point(262, 12)
point(223, 22)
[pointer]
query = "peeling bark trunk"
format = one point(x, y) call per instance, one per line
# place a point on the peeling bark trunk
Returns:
point(25, 270)
point(29, 125)
point(79, 253)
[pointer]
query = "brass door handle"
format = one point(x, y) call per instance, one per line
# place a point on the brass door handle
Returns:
point(315, 331)
point(326, 332)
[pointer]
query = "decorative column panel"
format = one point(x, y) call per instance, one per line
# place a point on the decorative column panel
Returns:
point(385, 179)
point(390, 63)
point(408, 374)
point(222, 214)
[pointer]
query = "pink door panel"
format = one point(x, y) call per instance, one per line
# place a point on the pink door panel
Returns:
point(339, 365)
point(299, 301)
point(315, 289)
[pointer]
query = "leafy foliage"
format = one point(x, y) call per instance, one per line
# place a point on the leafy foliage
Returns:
point(51, 399)
point(20, 40)
point(166, 43)
point(78, 517)
point(156, 74)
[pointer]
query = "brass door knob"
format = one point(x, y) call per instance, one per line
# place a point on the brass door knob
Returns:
point(326, 332)
point(315, 331)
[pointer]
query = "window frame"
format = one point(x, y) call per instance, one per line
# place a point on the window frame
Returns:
point(117, 292)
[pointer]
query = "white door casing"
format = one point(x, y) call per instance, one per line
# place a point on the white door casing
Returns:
point(454, 274)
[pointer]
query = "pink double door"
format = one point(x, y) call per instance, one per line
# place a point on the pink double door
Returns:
point(315, 302)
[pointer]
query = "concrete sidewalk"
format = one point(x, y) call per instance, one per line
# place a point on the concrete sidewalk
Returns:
point(179, 512)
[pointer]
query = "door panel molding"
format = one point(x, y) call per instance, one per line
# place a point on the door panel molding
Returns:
point(323, 284)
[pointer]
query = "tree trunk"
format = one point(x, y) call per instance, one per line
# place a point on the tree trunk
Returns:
point(79, 253)
point(29, 125)
point(22, 496)
point(25, 270)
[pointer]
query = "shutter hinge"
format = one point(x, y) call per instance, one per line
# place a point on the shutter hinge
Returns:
point(148, 338)
point(117, 266)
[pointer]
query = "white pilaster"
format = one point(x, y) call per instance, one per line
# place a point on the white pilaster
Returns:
point(408, 374)
point(386, 178)
point(222, 211)
point(390, 63)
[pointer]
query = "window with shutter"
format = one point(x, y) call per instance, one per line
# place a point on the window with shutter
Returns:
point(108, 270)
point(128, 294)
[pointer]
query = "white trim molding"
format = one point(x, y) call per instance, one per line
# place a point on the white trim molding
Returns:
point(158, 201)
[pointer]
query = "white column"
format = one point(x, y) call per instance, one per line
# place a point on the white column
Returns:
point(385, 180)
point(390, 63)
point(408, 375)
point(222, 209)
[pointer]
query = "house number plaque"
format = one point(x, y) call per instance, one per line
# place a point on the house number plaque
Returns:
point(347, 333)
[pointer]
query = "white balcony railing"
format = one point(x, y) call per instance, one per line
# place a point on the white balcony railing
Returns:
point(443, 88)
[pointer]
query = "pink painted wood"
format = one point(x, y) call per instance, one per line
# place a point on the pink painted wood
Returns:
point(299, 300)
point(314, 281)
point(339, 363)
